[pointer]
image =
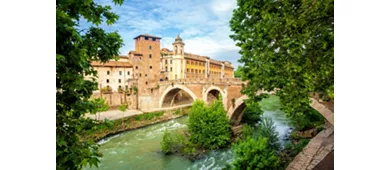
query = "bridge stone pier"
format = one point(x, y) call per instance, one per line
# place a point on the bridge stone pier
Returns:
point(178, 92)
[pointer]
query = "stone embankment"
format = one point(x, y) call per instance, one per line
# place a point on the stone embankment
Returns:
point(318, 154)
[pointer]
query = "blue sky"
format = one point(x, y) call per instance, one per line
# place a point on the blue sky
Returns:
point(203, 25)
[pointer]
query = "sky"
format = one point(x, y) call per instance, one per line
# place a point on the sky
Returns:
point(202, 24)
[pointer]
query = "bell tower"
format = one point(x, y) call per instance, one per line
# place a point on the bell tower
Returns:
point(178, 46)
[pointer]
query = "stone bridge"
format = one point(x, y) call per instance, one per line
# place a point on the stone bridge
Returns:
point(185, 91)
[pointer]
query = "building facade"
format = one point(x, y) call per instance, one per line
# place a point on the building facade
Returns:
point(177, 64)
point(114, 74)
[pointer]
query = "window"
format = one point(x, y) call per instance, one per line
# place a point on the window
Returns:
point(150, 55)
point(136, 67)
point(171, 68)
point(146, 83)
point(108, 81)
point(153, 39)
point(188, 70)
point(151, 91)
point(188, 62)
point(120, 73)
point(140, 75)
point(108, 72)
point(150, 47)
point(192, 70)
point(119, 81)
point(171, 61)
point(146, 38)
point(128, 72)
point(166, 68)
point(120, 86)
point(126, 87)
point(166, 61)
point(150, 67)
point(146, 75)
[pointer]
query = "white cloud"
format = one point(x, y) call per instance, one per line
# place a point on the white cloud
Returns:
point(203, 25)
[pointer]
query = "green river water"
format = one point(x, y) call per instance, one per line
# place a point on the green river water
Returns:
point(140, 149)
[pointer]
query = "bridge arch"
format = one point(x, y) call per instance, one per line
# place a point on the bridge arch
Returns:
point(211, 90)
point(174, 88)
point(235, 111)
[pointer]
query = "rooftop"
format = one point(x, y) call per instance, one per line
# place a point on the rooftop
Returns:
point(147, 35)
point(111, 64)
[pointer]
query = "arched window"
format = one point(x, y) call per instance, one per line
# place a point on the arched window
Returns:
point(108, 72)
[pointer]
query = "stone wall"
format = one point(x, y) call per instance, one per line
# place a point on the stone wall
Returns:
point(116, 99)
point(317, 154)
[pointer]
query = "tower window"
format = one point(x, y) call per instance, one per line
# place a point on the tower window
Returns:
point(119, 80)
point(153, 39)
point(150, 55)
point(146, 38)
point(150, 47)
point(150, 67)
point(146, 83)
point(128, 72)
point(108, 81)
point(120, 73)
point(136, 67)
point(108, 72)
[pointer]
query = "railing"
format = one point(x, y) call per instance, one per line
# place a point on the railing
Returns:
point(202, 80)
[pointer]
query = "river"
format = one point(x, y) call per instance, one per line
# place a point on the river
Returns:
point(140, 149)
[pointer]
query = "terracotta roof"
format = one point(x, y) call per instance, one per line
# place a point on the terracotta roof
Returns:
point(215, 62)
point(147, 35)
point(111, 64)
point(123, 56)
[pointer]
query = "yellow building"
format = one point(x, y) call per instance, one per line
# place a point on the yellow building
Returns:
point(178, 64)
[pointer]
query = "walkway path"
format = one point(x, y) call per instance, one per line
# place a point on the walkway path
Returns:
point(114, 114)
point(117, 114)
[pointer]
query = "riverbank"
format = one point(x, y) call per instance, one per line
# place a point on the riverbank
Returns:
point(135, 121)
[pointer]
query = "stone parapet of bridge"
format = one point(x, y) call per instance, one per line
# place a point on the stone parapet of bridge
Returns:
point(204, 81)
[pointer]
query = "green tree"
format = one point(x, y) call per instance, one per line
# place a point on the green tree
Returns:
point(208, 125)
point(123, 108)
point(255, 154)
point(238, 72)
point(288, 46)
point(100, 105)
point(74, 51)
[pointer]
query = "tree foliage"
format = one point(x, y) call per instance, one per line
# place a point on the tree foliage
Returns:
point(238, 72)
point(255, 154)
point(208, 125)
point(252, 113)
point(288, 46)
point(74, 51)
point(167, 143)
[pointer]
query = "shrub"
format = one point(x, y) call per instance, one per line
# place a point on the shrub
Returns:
point(167, 143)
point(208, 125)
point(149, 116)
point(247, 131)
point(267, 129)
point(310, 119)
point(255, 154)
point(252, 113)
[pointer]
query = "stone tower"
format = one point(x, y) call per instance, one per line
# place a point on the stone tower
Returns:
point(146, 64)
